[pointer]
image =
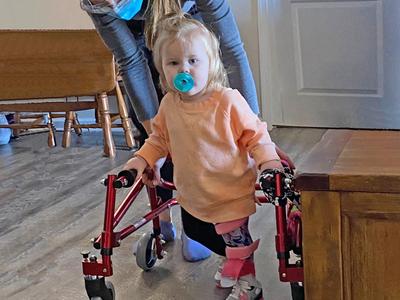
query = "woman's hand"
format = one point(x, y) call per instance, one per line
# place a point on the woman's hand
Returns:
point(94, 2)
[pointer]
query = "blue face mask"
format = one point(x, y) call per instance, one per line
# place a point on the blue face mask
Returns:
point(127, 9)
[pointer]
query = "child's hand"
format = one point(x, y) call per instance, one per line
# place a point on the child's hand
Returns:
point(138, 163)
point(267, 178)
point(152, 178)
point(271, 164)
point(283, 156)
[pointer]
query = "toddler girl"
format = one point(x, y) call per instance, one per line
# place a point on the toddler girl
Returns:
point(215, 141)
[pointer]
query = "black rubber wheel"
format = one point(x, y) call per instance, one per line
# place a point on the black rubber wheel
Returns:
point(99, 289)
point(297, 290)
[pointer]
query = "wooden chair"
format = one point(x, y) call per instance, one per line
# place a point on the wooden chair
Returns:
point(46, 66)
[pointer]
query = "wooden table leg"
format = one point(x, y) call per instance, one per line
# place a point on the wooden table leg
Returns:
point(17, 120)
point(51, 139)
point(77, 129)
point(66, 142)
point(125, 120)
point(104, 111)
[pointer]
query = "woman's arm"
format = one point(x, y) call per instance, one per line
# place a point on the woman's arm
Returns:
point(132, 63)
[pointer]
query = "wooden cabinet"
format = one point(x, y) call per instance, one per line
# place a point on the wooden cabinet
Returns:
point(350, 184)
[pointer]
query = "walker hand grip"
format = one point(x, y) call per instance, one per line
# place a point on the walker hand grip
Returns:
point(267, 183)
point(126, 178)
point(277, 184)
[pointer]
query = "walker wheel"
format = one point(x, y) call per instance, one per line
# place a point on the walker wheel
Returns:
point(100, 289)
point(297, 291)
point(146, 255)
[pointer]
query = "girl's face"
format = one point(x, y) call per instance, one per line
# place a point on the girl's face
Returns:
point(188, 56)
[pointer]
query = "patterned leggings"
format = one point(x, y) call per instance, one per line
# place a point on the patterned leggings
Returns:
point(238, 237)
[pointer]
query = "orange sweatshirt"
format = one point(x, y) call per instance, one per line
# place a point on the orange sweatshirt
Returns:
point(215, 146)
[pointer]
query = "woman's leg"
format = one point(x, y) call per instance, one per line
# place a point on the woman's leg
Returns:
point(167, 228)
point(202, 232)
point(132, 64)
point(218, 17)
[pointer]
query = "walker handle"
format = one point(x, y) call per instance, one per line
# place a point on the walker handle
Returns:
point(277, 184)
point(125, 178)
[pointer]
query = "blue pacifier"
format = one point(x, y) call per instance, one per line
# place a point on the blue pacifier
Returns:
point(183, 82)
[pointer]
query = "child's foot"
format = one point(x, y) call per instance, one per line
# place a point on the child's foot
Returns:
point(246, 288)
point(223, 282)
point(193, 251)
point(168, 231)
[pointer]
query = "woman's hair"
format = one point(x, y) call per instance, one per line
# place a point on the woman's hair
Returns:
point(180, 27)
point(156, 10)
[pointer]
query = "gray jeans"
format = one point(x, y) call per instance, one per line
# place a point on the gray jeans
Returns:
point(134, 65)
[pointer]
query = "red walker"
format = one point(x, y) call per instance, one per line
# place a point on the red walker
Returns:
point(277, 186)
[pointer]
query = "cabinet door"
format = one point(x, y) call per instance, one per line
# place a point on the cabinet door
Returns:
point(370, 246)
point(321, 245)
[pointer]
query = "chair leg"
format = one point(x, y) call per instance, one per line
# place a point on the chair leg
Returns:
point(104, 112)
point(17, 120)
point(66, 142)
point(51, 139)
point(75, 122)
point(125, 120)
point(97, 114)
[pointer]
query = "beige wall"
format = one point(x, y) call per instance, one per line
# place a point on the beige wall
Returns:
point(43, 14)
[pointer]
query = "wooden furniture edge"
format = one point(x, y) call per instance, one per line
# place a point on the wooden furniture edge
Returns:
point(313, 172)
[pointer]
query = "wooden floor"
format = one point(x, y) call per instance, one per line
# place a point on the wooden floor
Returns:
point(51, 204)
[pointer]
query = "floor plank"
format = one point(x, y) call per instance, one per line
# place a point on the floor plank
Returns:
point(51, 204)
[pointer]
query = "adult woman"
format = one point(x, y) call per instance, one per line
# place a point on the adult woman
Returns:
point(130, 53)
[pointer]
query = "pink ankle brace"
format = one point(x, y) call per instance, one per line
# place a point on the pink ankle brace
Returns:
point(239, 261)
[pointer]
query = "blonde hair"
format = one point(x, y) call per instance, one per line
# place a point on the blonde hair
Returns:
point(179, 27)
point(156, 10)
